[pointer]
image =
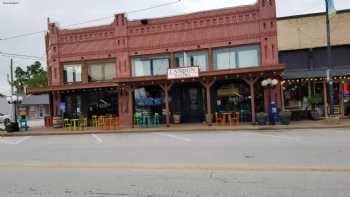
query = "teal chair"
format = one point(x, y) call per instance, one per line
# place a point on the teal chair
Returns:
point(138, 119)
point(156, 119)
point(147, 120)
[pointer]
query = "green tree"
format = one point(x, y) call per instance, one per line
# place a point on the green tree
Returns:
point(34, 76)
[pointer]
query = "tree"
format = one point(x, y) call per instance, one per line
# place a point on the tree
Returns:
point(34, 76)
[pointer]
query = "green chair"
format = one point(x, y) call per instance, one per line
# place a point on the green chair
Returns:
point(138, 119)
point(147, 120)
point(244, 115)
point(156, 119)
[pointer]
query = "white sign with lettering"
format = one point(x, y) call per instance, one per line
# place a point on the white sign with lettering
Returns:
point(184, 72)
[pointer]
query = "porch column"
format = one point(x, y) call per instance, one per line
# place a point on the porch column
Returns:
point(130, 91)
point(251, 82)
point(166, 87)
point(282, 95)
point(208, 84)
point(56, 103)
point(325, 102)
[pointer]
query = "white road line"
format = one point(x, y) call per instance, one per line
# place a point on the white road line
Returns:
point(273, 136)
point(175, 137)
point(4, 141)
point(97, 138)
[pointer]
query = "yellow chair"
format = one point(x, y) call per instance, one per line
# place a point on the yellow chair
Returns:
point(94, 121)
point(101, 122)
point(67, 124)
point(83, 123)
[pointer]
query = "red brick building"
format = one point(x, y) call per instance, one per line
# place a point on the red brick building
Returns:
point(122, 68)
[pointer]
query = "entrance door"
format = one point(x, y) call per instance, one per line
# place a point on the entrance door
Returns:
point(188, 99)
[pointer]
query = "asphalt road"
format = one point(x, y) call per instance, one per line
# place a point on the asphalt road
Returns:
point(250, 163)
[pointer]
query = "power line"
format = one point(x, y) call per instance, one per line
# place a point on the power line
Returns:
point(93, 20)
point(21, 56)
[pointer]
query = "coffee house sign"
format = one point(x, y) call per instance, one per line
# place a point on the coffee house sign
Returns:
point(181, 73)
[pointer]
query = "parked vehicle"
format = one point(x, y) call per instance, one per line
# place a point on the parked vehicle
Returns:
point(5, 118)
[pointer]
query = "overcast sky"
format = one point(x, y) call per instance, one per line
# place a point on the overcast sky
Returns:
point(31, 16)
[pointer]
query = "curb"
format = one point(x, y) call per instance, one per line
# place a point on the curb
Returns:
point(153, 130)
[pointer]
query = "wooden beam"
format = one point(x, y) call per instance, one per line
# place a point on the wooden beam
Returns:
point(251, 82)
point(282, 96)
point(130, 90)
point(208, 84)
point(166, 88)
point(325, 99)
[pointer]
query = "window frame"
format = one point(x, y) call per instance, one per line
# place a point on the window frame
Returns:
point(103, 70)
point(179, 57)
point(236, 51)
point(151, 60)
point(73, 66)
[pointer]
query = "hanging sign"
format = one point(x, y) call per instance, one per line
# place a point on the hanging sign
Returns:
point(185, 72)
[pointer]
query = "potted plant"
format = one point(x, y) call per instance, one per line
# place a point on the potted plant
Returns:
point(285, 117)
point(262, 118)
point(177, 118)
point(313, 101)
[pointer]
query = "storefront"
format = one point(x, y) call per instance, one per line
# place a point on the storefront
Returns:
point(233, 96)
point(308, 94)
point(86, 104)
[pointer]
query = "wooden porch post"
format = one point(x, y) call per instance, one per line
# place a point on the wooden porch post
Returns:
point(282, 96)
point(325, 102)
point(166, 87)
point(251, 83)
point(208, 84)
point(130, 91)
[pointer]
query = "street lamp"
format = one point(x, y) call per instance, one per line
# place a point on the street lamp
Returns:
point(269, 84)
point(14, 100)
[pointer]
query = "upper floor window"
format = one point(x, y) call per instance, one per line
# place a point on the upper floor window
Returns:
point(150, 66)
point(102, 72)
point(72, 73)
point(238, 57)
point(197, 58)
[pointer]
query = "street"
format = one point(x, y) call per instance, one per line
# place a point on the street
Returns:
point(250, 163)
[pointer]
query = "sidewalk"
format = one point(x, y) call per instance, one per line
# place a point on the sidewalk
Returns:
point(323, 124)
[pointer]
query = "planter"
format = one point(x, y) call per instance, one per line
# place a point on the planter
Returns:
point(177, 118)
point(315, 115)
point(261, 118)
point(57, 122)
point(285, 117)
point(12, 127)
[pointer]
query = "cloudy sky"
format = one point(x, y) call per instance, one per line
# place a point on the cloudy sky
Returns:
point(31, 15)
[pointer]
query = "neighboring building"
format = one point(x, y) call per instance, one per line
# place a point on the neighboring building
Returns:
point(5, 108)
point(121, 68)
point(302, 48)
point(36, 106)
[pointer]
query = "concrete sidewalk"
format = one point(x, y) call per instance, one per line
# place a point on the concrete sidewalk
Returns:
point(322, 124)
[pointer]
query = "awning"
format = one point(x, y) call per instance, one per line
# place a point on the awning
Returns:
point(314, 73)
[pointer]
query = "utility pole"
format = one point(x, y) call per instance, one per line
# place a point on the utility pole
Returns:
point(329, 60)
point(14, 107)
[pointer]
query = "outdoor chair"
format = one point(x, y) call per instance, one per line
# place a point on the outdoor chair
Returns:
point(83, 123)
point(67, 124)
point(217, 118)
point(94, 121)
point(156, 119)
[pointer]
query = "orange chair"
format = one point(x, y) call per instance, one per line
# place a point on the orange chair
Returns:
point(217, 118)
point(237, 118)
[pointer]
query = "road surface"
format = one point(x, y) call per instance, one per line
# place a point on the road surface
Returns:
point(250, 163)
